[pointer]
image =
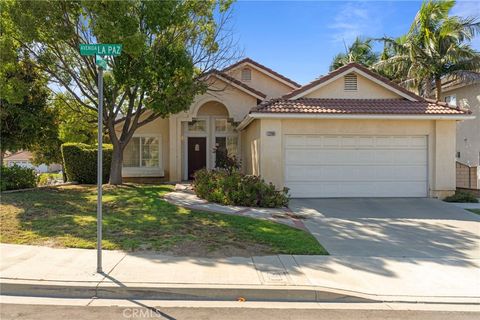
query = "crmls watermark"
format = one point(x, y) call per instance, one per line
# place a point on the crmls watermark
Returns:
point(142, 313)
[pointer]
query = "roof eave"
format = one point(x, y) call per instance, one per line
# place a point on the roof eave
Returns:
point(269, 115)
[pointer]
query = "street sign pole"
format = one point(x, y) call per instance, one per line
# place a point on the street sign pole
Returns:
point(99, 51)
point(99, 170)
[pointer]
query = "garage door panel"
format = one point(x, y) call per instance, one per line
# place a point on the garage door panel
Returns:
point(356, 166)
point(363, 173)
point(356, 189)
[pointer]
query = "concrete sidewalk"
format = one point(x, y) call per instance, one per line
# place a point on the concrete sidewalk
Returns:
point(43, 271)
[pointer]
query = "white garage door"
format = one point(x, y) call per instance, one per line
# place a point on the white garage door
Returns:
point(356, 166)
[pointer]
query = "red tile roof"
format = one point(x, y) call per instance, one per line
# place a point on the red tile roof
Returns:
point(261, 66)
point(237, 82)
point(19, 156)
point(344, 68)
point(357, 106)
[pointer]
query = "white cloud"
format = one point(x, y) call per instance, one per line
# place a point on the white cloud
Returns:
point(355, 19)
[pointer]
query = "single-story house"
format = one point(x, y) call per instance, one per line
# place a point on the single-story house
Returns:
point(351, 133)
point(24, 159)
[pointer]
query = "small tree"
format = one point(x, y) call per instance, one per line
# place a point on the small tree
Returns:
point(224, 161)
point(168, 46)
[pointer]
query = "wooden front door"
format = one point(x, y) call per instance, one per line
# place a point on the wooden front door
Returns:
point(197, 154)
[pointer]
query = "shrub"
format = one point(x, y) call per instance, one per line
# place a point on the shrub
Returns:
point(80, 162)
point(16, 177)
point(45, 179)
point(462, 196)
point(234, 188)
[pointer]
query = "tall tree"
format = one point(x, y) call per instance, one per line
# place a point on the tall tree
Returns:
point(168, 46)
point(25, 117)
point(71, 123)
point(360, 51)
point(436, 46)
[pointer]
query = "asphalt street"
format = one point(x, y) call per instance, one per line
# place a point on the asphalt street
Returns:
point(56, 312)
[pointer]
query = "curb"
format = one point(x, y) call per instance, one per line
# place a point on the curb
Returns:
point(205, 292)
point(180, 292)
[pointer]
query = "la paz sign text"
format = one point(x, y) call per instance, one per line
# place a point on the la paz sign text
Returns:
point(101, 49)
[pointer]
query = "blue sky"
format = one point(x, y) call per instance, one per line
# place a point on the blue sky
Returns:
point(299, 38)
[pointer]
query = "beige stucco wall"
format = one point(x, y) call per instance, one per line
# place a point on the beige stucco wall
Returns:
point(260, 81)
point(250, 145)
point(366, 89)
point(441, 144)
point(468, 131)
point(237, 102)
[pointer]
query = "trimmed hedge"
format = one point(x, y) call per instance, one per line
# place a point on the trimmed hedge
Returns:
point(16, 177)
point(234, 188)
point(80, 162)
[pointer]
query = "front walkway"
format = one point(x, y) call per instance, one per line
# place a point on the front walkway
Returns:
point(261, 278)
point(183, 196)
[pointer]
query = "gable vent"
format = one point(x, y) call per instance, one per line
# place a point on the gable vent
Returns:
point(350, 82)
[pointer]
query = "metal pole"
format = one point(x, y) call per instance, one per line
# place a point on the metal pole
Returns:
point(99, 170)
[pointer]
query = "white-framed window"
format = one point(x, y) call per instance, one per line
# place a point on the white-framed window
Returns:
point(142, 152)
point(451, 100)
point(221, 125)
point(197, 126)
point(246, 74)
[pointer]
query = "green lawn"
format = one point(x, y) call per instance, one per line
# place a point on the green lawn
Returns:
point(477, 211)
point(136, 218)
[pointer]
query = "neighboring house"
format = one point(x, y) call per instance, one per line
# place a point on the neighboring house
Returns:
point(351, 133)
point(466, 95)
point(24, 159)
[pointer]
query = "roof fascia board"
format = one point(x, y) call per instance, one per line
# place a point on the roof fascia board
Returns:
point(290, 85)
point(359, 116)
point(238, 87)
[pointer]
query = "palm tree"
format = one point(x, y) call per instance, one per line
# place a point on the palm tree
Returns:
point(359, 51)
point(435, 47)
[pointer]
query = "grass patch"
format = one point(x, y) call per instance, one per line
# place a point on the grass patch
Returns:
point(137, 218)
point(477, 211)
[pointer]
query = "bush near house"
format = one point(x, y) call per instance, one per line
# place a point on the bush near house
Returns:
point(45, 179)
point(462, 196)
point(80, 162)
point(234, 188)
point(16, 177)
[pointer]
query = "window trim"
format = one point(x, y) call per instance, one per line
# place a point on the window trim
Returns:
point(215, 125)
point(142, 171)
point(198, 132)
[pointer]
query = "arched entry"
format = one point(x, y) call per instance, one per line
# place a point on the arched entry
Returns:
point(211, 127)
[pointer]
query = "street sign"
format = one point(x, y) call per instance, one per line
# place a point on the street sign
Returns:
point(102, 63)
point(100, 49)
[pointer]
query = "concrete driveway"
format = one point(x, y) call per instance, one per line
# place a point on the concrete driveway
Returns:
point(392, 227)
